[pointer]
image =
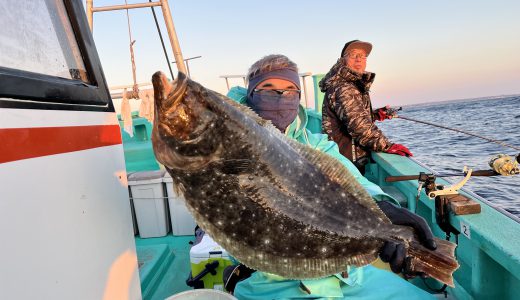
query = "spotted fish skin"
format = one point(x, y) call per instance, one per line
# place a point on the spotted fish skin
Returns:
point(276, 205)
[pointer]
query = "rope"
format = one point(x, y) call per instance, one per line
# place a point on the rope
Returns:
point(162, 41)
point(135, 88)
point(461, 131)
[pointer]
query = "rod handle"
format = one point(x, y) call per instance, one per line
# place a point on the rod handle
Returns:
point(401, 178)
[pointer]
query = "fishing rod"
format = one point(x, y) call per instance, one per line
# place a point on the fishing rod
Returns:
point(485, 173)
point(393, 113)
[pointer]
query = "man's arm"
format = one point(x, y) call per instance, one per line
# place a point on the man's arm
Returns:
point(349, 108)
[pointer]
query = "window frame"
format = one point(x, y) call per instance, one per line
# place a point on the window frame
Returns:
point(24, 89)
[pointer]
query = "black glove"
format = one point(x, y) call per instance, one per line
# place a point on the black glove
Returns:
point(395, 253)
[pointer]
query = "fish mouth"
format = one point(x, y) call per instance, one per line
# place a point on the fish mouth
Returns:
point(168, 95)
point(177, 115)
point(169, 117)
point(180, 123)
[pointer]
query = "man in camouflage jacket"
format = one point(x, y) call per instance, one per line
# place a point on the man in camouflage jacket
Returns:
point(347, 115)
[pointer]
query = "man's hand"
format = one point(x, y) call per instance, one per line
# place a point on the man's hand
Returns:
point(395, 253)
point(399, 150)
point(383, 113)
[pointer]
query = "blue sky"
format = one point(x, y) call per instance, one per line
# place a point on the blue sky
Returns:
point(423, 51)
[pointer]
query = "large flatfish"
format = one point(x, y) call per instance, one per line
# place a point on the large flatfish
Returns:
point(276, 205)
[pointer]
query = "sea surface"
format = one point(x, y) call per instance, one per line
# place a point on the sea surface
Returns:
point(446, 151)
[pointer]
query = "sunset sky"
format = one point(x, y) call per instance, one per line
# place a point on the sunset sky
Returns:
point(423, 51)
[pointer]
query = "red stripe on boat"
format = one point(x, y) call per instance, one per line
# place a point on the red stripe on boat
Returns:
point(24, 143)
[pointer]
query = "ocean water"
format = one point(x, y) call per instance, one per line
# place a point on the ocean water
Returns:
point(446, 151)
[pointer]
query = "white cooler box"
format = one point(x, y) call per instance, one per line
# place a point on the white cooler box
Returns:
point(149, 203)
point(182, 220)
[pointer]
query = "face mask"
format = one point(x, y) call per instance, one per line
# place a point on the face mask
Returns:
point(281, 110)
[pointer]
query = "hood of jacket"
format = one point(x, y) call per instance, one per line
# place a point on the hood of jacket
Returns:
point(340, 74)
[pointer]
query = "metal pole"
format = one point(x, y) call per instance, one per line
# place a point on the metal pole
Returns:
point(303, 75)
point(227, 84)
point(305, 92)
point(188, 68)
point(226, 77)
point(162, 41)
point(187, 65)
point(90, 15)
point(177, 54)
point(124, 6)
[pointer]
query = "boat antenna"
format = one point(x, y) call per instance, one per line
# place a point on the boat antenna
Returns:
point(393, 111)
point(162, 41)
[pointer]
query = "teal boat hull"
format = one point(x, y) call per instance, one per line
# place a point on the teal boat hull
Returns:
point(488, 248)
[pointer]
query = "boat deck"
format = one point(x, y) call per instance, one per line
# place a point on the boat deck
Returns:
point(164, 265)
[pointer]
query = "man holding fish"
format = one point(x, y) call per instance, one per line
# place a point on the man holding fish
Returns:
point(282, 200)
point(274, 94)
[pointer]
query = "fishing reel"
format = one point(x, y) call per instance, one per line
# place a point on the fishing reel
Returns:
point(443, 197)
point(452, 190)
point(391, 111)
point(505, 165)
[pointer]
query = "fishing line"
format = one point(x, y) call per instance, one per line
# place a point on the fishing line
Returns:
point(462, 131)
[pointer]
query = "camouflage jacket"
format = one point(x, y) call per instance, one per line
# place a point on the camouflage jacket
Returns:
point(347, 116)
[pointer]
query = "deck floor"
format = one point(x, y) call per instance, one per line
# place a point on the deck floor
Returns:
point(164, 265)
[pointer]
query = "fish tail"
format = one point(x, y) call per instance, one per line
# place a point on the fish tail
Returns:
point(439, 264)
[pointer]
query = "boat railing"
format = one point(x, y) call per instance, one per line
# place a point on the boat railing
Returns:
point(472, 194)
point(488, 250)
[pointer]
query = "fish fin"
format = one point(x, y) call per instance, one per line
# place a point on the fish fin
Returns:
point(338, 173)
point(234, 166)
point(301, 268)
point(288, 267)
point(439, 264)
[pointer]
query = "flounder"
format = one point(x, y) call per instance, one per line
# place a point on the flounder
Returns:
point(276, 205)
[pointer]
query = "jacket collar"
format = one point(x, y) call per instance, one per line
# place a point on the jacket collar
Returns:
point(340, 73)
point(298, 125)
point(362, 81)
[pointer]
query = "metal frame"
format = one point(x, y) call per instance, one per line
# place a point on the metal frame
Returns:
point(174, 41)
point(187, 64)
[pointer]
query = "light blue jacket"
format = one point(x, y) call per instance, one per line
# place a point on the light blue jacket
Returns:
point(362, 283)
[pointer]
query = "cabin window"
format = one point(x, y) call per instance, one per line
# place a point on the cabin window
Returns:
point(48, 59)
point(37, 37)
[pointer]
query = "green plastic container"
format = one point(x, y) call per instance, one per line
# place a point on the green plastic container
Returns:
point(318, 95)
point(204, 253)
point(138, 149)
